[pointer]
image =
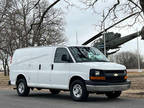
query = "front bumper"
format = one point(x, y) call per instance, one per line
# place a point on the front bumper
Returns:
point(106, 87)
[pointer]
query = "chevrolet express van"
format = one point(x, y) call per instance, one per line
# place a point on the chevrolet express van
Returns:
point(78, 69)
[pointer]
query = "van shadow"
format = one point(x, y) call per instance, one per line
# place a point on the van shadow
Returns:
point(67, 97)
point(50, 96)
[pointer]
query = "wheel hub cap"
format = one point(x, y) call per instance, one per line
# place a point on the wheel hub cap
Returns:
point(77, 90)
point(21, 88)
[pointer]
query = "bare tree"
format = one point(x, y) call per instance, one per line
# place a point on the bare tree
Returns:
point(26, 24)
point(129, 59)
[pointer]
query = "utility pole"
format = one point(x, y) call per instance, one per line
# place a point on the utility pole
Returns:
point(104, 44)
point(103, 28)
point(138, 55)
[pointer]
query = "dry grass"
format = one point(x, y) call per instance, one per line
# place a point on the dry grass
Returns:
point(136, 74)
point(137, 80)
point(137, 85)
point(3, 80)
point(133, 93)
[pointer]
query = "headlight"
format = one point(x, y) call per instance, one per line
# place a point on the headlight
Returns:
point(94, 72)
point(97, 73)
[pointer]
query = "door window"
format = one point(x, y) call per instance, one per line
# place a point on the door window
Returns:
point(59, 53)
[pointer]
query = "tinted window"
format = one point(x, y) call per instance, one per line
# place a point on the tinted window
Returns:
point(59, 53)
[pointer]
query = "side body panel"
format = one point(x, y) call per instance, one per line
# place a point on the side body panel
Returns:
point(32, 62)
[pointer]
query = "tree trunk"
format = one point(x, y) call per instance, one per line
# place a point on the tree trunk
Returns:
point(5, 67)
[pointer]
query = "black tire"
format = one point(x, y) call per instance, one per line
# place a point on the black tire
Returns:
point(22, 88)
point(83, 93)
point(113, 95)
point(54, 91)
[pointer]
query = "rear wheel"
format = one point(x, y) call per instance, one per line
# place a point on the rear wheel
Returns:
point(54, 91)
point(78, 91)
point(22, 88)
point(113, 95)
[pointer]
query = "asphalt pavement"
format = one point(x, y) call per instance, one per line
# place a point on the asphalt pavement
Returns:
point(9, 99)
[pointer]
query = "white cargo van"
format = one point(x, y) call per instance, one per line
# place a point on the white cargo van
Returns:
point(79, 69)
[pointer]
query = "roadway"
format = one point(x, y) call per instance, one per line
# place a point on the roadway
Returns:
point(9, 99)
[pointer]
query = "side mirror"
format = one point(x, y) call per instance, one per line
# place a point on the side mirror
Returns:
point(142, 33)
point(65, 58)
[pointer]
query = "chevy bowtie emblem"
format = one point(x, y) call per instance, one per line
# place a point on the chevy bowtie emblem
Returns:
point(115, 74)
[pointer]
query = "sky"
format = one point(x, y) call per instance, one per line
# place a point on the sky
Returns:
point(82, 22)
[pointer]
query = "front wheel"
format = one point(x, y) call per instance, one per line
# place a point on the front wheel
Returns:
point(78, 91)
point(113, 95)
point(22, 88)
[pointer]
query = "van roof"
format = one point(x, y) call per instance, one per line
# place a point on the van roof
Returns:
point(55, 46)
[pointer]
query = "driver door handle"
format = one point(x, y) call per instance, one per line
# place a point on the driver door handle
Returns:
point(52, 66)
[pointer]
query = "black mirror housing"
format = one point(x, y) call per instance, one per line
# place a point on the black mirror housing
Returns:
point(65, 58)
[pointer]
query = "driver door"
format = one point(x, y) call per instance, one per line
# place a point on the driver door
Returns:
point(61, 69)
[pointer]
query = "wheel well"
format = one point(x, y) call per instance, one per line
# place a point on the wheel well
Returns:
point(20, 77)
point(75, 78)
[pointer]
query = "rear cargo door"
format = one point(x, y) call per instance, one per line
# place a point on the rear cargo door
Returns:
point(44, 68)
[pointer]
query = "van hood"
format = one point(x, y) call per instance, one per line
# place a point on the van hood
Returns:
point(104, 65)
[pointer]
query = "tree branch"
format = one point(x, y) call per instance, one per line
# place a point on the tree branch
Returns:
point(113, 8)
point(99, 34)
point(135, 4)
point(43, 15)
point(36, 4)
point(94, 2)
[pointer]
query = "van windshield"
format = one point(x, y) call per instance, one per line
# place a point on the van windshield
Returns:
point(87, 54)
